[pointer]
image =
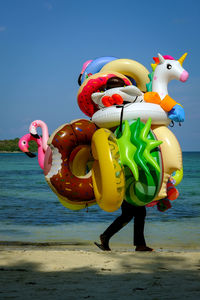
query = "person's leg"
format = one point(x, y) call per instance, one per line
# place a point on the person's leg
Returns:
point(119, 223)
point(139, 221)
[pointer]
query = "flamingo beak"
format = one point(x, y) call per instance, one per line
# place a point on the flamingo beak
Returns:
point(79, 79)
point(30, 154)
point(36, 136)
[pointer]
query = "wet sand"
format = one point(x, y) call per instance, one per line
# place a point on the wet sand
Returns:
point(44, 271)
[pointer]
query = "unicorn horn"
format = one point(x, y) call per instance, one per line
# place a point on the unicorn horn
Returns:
point(161, 58)
point(181, 60)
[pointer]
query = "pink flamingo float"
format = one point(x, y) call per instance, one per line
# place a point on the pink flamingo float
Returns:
point(33, 136)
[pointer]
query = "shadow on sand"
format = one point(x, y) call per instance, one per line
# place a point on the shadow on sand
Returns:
point(140, 276)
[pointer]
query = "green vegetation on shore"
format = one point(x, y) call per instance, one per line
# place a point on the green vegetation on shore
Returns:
point(12, 145)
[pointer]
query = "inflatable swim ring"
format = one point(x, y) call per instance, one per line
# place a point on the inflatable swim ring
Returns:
point(130, 68)
point(171, 156)
point(111, 116)
point(70, 143)
point(95, 66)
point(107, 172)
point(93, 84)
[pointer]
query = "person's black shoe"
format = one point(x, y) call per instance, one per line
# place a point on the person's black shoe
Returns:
point(104, 246)
point(143, 248)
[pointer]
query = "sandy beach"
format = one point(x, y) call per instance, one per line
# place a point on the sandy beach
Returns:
point(84, 272)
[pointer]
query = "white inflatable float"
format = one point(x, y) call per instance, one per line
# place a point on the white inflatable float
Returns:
point(109, 117)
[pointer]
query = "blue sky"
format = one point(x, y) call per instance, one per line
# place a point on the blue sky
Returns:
point(43, 45)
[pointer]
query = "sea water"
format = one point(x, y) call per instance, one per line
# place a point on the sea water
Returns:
point(31, 212)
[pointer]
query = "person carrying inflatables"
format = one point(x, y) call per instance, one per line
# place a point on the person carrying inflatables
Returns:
point(129, 212)
point(111, 95)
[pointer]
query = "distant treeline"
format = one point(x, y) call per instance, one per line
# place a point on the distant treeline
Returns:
point(12, 145)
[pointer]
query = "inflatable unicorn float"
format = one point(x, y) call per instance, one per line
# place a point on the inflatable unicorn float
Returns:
point(126, 150)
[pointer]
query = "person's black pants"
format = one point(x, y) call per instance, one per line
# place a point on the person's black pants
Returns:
point(128, 212)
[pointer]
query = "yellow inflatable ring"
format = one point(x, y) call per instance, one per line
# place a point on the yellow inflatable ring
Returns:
point(131, 68)
point(107, 173)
